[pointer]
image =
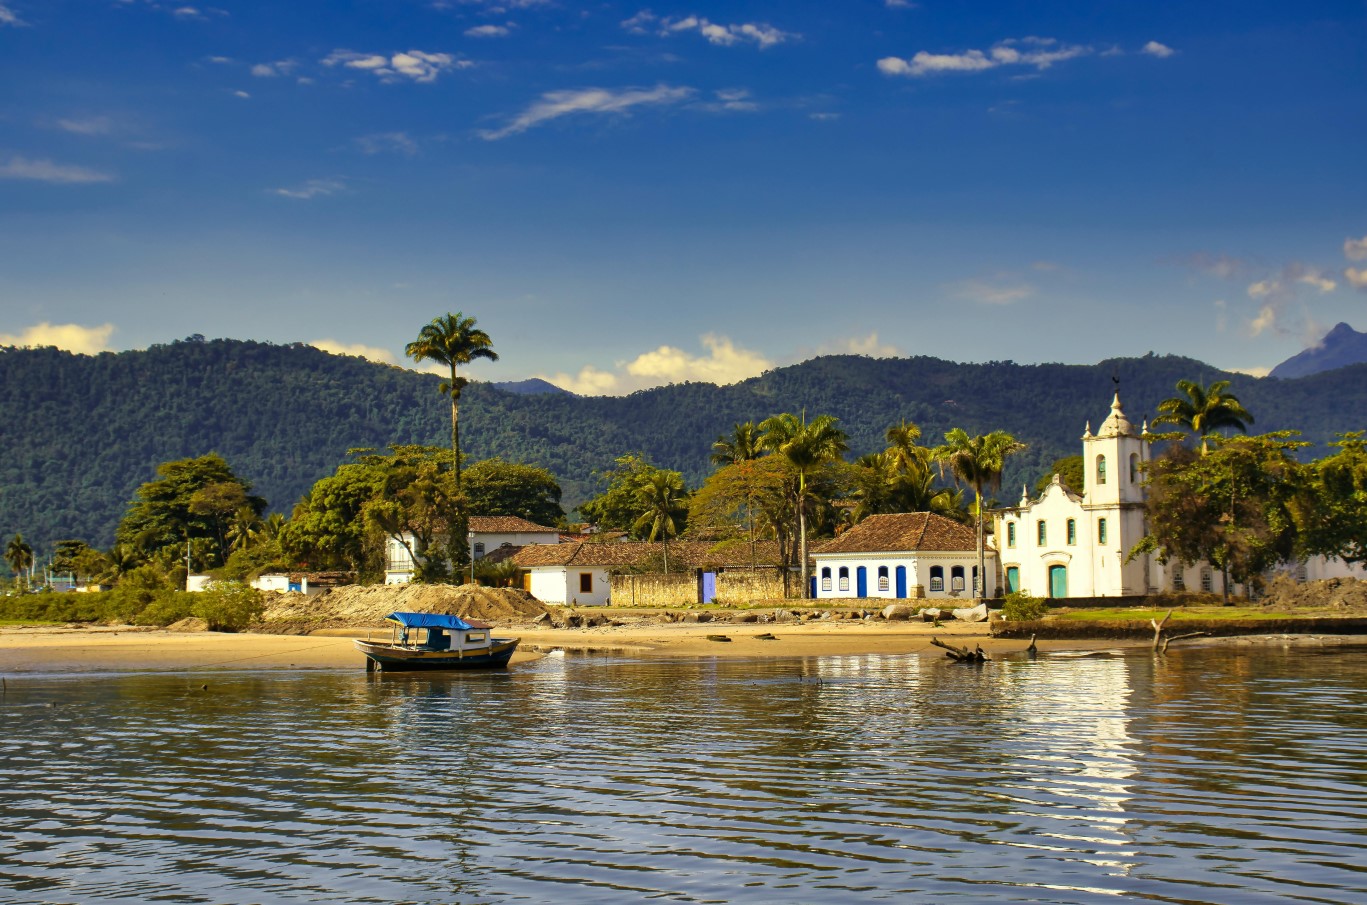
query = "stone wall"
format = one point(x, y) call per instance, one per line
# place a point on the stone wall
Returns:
point(741, 586)
point(735, 587)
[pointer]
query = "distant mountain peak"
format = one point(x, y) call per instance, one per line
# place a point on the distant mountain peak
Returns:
point(532, 386)
point(1341, 346)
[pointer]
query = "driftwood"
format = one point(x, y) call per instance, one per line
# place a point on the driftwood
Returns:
point(1161, 641)
point(1032, 650)
point(962, 654)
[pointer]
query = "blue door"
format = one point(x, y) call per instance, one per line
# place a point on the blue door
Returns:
point(812, 595)
point(861, 582)
point(1058, 581)
point(902, 582)
point(709, 587)
point(1013, 579)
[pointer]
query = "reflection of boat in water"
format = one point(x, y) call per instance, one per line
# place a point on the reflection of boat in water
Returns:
point(434, 641)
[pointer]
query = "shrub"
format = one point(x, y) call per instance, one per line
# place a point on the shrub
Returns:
point(167, 607)
point(1021, 607)
point(228, 606)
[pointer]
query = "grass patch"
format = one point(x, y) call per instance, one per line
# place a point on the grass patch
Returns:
point(11, 623)
point(1183, 614)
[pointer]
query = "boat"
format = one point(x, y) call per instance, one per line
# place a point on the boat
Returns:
point(436, 641)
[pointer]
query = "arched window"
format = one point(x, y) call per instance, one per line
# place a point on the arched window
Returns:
point(479, 550)
point(956, 578)
point(1101, 469)
point(844, 578)
point(1072, 532)
point(1179, 578)
point(1041, 533)
point(1011, 534)
point(937, 578)
point(1205, 580)
point(883, 583)
point(1134, 468)
point(825, 578)
point(1101, 531)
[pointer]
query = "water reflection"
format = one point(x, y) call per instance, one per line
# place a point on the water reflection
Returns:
point(1210, 776)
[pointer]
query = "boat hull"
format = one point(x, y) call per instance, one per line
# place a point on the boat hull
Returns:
point(392, 658)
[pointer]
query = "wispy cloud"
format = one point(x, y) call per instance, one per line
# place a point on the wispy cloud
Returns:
point(71, 337)
point(387, 143)
point(414, 65)
point(314, 188)
point(869, 345)
point(1356, 277)
point(488, 31)
point(730, 100)
point(991, 292)
point(1221, 266)
point(187, 12)
point(762, 35)
point(1155, 49)
point(722, 362)
point(360, 350)
point(10, 17)
point(242, 94)
point(47, 171)
point(598, 101)
point(271, 70)
point(1040, 53)
point(91, 125)
point(1355, 249)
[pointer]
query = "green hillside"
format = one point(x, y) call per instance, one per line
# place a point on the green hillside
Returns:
point(81, 433)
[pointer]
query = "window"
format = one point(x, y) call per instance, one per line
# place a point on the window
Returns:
point(1134, 468)
point(479, 550)
point(956, 578)
point(1011, 534)
point(1179, 580)
point(825, 578)
point(937, 578)
point(883, 584)
point(844, 578)
point(1041, 533)
point(1072, 532)
point(1101, 531)
point(1101, 469)
point(975, 579)
point(585, 582)
point(1205, 580)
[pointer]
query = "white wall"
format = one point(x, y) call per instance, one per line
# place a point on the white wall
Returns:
point(492, 540)
point(918, 566)
point(557, 584)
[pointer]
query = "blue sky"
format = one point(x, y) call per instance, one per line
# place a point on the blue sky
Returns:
point(628, 195)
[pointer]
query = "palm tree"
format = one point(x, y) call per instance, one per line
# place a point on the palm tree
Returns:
point(1202, 410)
point(978, 462)
point(807, 447)
point(19, 555)
point(741, 446)
point(451, 340)
point(661, 498)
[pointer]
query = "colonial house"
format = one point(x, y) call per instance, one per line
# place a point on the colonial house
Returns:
point(487, 533)
point(903, 555)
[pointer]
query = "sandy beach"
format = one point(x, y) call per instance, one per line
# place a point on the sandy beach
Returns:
point(82, 650)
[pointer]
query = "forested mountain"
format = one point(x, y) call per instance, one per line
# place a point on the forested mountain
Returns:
point(79, 434)
point(1341, 346)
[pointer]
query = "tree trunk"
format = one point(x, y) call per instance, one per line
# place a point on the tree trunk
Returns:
point(981, 589)
point(802, 533)
point(455, 426)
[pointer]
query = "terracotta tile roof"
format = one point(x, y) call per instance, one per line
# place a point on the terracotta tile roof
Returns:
point(504, 524)
point(903, 531)
point(684, 554)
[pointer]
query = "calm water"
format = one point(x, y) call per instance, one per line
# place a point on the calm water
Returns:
point(1204, 776)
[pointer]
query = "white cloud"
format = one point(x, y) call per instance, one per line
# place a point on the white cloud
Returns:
point(71, 337)
point(1222, 266)
point(731, 100)
point(271, 70)
point(360, 350)
point(723, 362)
point(387, 142)
point(824, 117)
point(10, 17)
point(47, 171)
point(761, 35)
point(92, 125)
point(867, 345)
point(1281, 287)
point(1154, 49)
point(899, 4)
point(1041, 53)
point(1317, 280)
point(1355, 249)
point(1256, 371)
point(487, 31)
point(1357, 278)
point(555, 104)
point(314, 188)
point(992, 293)
point(1266, 319)
point(417, 65)
point(187, 12)
point(242, 94)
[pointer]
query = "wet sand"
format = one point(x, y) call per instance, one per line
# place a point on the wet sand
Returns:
point(81, 650)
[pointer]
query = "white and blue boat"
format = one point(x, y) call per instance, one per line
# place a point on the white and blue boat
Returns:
point(436, 641)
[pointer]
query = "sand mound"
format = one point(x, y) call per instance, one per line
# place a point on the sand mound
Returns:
point(364, 606)
point(1338, 593)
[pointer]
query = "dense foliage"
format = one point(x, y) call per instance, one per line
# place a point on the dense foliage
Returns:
point(82, 433)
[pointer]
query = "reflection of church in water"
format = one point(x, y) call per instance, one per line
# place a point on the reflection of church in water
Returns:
point(1068, 545)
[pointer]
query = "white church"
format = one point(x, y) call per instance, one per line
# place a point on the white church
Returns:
point(1066, 545)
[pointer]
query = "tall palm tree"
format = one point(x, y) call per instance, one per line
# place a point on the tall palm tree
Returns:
point(978, 462)
point(741, 446)
point(19, 555)
point(662, 501)
point(1202, 410)
point(807, 446)
point(452, 340)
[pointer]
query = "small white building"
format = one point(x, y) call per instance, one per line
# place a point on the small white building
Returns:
point(903, 555)
point(487, 533)
point(578, 574)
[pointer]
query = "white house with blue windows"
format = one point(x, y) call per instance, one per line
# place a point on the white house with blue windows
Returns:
point(902, 555)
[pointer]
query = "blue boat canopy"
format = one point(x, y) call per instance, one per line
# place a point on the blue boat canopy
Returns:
point(429, 620)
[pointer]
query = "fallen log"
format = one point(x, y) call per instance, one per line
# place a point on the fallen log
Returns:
point(962, 654)
point(1161, 641)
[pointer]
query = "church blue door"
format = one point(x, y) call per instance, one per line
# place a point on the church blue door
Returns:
point(1013, 579)
point(1058, 581)
point(861, 582)
point(902, 582)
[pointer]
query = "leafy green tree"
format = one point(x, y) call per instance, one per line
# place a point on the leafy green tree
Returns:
point(191, 501)
point(496, 487)
point(451, 340)
point(228, 606)
point(757, 494)
point(978, 462)
point(327, 529)
point(1204, 410)
point(901, 479)
point(617, 507)
point(1232, 506)
point(741, 446)
point(19, 555)
point(662, 503)
point(78, 559)
point(1331, 516)
point(1070, 471)
point(808, 447)
point(419, 507)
